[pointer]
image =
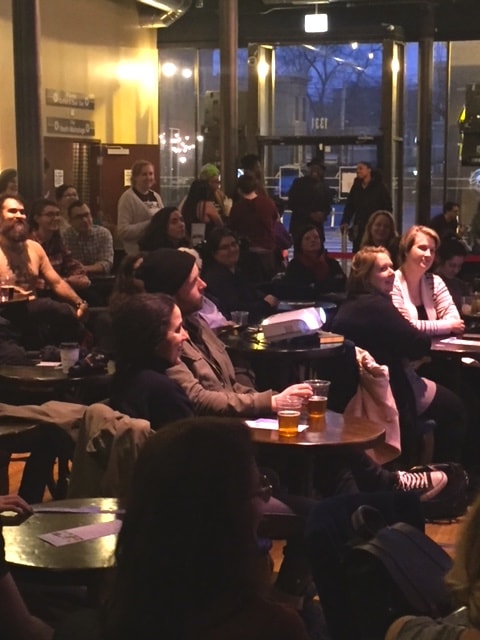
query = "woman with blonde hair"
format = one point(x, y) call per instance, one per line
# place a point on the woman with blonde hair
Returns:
point(424, 300)
point(464, 581)
point(420, 296)
point(382, 232)
point(372, 322)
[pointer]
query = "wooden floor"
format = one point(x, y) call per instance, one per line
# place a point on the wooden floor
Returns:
point(444, 534)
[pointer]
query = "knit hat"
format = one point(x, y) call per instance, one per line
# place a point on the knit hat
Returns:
point(165, 270)
point(209, 171)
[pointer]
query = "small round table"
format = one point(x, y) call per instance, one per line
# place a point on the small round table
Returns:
point(339, 431)
point(280, 363)
point(83, 563)
point(34, 384)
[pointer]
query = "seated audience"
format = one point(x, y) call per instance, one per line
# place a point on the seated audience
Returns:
point(137, 205)
point(165, 229)
point(445, 224)
point(45, 229)
point(381, 232)
point(41, 321)
point(90, 244)
point(148, 335)
point(253, 217)
point(209, 312)
point(65, 194)
point(463, 580)
point(199, 208)
point(188, 563)
point(17, 623)
point(225, 281)
point(312, 271)
point(420, 296)
point(450, 258)
point(206, 374)
point(369, 318)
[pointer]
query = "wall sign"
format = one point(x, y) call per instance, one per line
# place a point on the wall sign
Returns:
point(69, 99)
point(70, 127)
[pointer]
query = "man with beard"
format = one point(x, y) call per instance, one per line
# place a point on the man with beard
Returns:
point(42, 321)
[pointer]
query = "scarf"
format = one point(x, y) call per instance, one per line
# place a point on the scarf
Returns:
point(317, 265)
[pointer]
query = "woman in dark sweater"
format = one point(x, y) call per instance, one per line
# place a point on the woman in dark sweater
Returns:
point(370, 320)
point(226, 284)
point(148, 335)
point(312, 271)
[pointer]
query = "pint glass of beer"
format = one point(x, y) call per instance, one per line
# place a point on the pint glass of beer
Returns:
point(289, 410)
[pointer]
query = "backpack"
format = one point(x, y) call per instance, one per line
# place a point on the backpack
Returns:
point(399, 571)
point(452, 501)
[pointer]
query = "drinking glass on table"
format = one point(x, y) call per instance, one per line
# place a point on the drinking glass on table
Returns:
point(239, 318)
point(317, 403)
point(7, 283)
point(289, 410)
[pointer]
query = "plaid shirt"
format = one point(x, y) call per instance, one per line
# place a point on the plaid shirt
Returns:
point(97, 246)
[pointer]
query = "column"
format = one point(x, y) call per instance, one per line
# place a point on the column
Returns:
point(26, 60)
point(425, 96)
point(228, 30)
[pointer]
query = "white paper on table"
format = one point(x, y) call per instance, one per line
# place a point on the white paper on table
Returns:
point(44, 508)
point(470, 343)
point(269, 423)
point(48, 364)
point(80, 534)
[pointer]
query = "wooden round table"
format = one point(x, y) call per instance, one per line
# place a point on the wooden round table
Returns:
point(83, 563)
point(339, 431)
point(278, 364)
point(34, 384)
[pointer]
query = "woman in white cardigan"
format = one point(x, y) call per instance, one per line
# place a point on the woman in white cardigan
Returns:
point(424, 300)
point(423, 297)
point(137, 205)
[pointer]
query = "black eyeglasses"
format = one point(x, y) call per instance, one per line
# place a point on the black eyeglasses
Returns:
point(264, 492)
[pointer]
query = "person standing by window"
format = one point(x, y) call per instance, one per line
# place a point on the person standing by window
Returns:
point(368, 194)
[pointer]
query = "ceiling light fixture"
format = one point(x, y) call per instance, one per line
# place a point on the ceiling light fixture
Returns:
point(316, 22)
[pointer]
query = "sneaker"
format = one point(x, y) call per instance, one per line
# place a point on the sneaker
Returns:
point(427, 484)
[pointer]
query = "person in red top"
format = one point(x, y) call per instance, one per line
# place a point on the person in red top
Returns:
point(253, 218)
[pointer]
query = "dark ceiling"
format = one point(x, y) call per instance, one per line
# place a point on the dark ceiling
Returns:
point(362, 20)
